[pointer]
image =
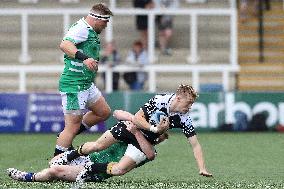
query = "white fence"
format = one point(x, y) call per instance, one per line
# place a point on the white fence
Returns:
point(193, 13)
point(152, 70)
point(232, 65)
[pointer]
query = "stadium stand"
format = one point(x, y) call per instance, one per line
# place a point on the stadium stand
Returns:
point(45, 34)
point(268, 75)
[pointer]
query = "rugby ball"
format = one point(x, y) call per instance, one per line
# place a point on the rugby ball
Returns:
point(159, 115)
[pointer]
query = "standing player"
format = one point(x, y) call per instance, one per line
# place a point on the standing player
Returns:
point(81, 46)
point(175, 107)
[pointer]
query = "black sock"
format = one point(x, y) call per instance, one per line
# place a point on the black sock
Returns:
point(73, 155)
point(83, 127)
point(57, 151)
point(97, 168)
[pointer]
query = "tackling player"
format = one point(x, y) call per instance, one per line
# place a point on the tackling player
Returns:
point(81, 47)
point(175, 107)
point(70, 172)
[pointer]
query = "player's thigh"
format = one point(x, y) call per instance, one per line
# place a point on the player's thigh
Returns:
point(106, 139)
point(100, 107)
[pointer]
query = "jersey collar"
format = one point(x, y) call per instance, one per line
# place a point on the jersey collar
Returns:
point(169, 104)
point(88, 25)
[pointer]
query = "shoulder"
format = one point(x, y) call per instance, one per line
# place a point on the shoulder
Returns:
point(186, 119)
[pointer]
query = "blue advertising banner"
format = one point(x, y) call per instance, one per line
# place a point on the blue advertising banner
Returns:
point(45, 113)
point(35, 112)
point(13, 112)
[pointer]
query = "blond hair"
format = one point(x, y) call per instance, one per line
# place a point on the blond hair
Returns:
point(186, 89)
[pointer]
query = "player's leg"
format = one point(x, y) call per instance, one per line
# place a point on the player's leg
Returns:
point(73, 105)
point(102, 143)
point(20, 175)
point(130, 160)
point(72, 125)
point(125, 165)
point(61, 172)
point(99, 109)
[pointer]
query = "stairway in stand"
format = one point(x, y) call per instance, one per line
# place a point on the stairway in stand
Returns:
point(267, 75)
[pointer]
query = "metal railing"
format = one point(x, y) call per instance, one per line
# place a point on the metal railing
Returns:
point(192, 13)
point(152, 71)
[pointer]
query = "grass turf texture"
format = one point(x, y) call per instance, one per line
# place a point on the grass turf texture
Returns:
point(237, 160)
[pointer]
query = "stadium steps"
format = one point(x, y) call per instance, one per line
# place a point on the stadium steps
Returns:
point(273, 36)
point(261, 77)
point(269, 75)
point(213, 43)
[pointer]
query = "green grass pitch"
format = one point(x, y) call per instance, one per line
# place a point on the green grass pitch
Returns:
point(237, 160)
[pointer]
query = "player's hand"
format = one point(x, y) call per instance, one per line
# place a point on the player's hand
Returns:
point(131, 127)
point(164, 125)
point(91, 64)
point(205, 174)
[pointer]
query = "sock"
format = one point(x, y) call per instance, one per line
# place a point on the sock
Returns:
point(29, 177)
point(59, 150)
point(97, 168)
point(73, 155)
point(83, 127)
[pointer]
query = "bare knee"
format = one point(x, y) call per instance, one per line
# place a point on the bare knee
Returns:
point(55, 171)
point(151, 156)
point(118, 171)
point(106, 112)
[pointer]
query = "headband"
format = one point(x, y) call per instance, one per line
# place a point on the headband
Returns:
point(99, 16)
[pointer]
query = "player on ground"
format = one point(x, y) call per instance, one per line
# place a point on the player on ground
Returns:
point(69, 172)
point(175, 107)
point(81, 46)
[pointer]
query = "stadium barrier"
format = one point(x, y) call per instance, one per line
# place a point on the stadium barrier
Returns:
point(193, 13)
point(195, 70)
point(152, 71)
point(40, 112)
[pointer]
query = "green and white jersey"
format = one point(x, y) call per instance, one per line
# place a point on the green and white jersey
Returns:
point(76, 76)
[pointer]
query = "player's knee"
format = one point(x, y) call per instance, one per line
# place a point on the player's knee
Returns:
point(151, 156)
point(55, 171)
point(118, 171)
point(106, 113)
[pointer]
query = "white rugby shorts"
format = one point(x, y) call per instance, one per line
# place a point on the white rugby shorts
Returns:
point(77, 103)
point(135, 154)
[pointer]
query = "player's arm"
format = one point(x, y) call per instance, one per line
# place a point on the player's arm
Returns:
point(140, 121)
point(68, 48)
point(71, 50)
point(145, 146)
point(198, 154)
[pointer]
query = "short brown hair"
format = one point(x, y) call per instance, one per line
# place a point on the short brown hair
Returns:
point(138, 43)
point(102, 9)
point(186, 89)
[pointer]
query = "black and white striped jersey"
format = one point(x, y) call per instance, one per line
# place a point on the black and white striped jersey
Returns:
point(160, 104)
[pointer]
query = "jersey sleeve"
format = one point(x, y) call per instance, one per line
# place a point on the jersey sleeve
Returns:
point(76, 34)
point(187, 126)
point(150, 107)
